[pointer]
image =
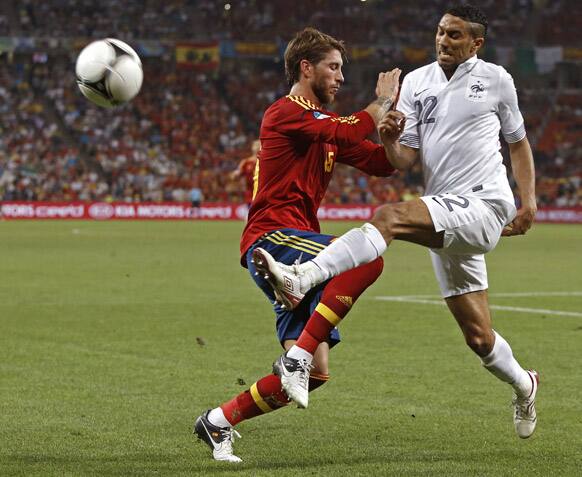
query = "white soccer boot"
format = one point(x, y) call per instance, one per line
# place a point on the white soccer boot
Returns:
point(289, 286)
point(294, 374)
point(219, 439)
point(525, 417)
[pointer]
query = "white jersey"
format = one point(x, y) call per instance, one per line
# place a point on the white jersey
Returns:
point(455, 124)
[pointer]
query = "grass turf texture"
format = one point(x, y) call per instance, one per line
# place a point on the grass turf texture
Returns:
point(115, 336)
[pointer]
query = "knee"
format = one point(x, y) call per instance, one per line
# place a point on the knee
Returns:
point(479, 340)
point(384, 220)
point(390, 218)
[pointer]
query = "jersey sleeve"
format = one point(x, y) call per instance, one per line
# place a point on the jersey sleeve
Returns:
point(368, 157)
point(405, 105)
point(300, 120)
point(512, 124)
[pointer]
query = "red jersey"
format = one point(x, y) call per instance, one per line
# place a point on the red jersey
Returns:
point(300, 143)
point(246, 169)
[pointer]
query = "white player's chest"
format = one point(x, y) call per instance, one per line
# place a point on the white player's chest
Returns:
point(460, 99)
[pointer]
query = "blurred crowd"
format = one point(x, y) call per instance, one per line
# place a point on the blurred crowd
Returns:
point(178, 134)
point(36, 163)
point(187, 131)
point(411, 23)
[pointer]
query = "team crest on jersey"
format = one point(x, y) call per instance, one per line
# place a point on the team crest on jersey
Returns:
point(318, 115)
point(477, 89)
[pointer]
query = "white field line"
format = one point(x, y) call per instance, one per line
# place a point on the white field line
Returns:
point(526, 294)
point(503, 295)
point(422, 299)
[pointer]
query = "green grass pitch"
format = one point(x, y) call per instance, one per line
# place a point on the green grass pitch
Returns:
point(115, 336)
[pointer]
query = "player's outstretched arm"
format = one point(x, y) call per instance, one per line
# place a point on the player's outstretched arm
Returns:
point(522, 165)
point(386, 93)
point(344, 131)
point(390, 128)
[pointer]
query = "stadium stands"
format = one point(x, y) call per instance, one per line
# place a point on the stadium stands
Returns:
point(411, 23)
point(190, 128)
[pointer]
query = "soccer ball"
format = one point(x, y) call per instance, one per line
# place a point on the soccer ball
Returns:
point(109, 72)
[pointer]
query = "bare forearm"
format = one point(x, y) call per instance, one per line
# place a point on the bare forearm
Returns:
point(394, 154)
point(386, 93)
point(390, 128)
point(524, 174)
point(523, 168)
point(378, 108)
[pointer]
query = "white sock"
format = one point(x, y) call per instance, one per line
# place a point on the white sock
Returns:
point(296, 352)
point(217, 418)
point(354, 248)
point(501, 363)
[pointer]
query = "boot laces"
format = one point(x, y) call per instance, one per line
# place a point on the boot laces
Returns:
point(228, 434)
point(305, 368)
point(523, 408)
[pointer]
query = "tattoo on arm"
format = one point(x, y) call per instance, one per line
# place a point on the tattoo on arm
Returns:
point(385, 103)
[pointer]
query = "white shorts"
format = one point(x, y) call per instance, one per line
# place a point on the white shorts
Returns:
point(472, 227)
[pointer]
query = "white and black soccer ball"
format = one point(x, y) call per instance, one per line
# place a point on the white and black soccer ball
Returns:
point(109, 72)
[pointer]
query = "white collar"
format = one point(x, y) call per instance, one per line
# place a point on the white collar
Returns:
point(470, 62)
point(461, 69)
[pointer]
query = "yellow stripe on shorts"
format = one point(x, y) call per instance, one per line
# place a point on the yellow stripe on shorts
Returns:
point(317, 247)
point(287, 244)
point(301, 239)
point(259, 401)
point(328, 314)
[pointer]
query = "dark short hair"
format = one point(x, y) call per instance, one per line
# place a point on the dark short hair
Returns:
point(471, 14)
point(311, 45)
